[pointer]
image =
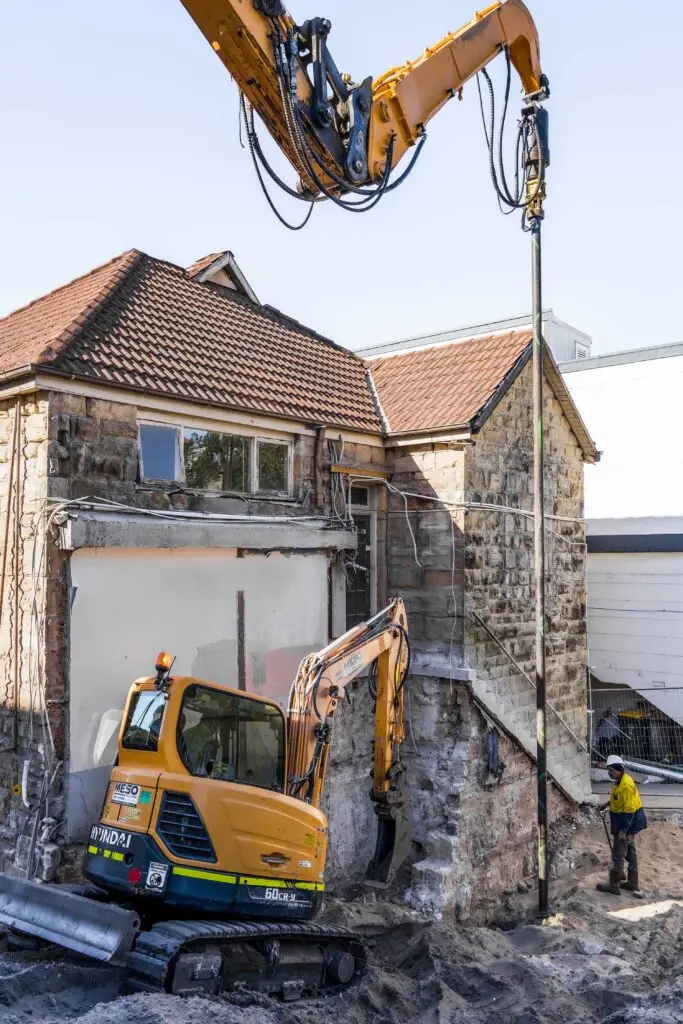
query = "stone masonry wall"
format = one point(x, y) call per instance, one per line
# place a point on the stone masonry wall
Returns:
point(31, 682)
point(474, 832)
point(94, 452)
point(427, 566)
point(499, 565)
point(463, 561)
point(73, 447)
point(476, 829)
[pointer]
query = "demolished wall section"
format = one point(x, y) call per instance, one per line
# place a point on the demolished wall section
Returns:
point(474, 829)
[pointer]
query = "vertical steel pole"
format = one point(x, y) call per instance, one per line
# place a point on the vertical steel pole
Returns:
point(539, 563)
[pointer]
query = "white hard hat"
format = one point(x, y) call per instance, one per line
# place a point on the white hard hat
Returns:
point(614, 761)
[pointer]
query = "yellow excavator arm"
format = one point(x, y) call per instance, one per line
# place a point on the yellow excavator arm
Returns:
point(381, 645)
point(340, 135)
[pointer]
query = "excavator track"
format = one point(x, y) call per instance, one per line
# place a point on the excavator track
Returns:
point(286, 959)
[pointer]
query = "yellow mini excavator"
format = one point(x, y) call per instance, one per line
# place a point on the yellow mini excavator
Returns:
point(209, 855)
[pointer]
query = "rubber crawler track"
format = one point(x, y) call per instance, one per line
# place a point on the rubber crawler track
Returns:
point(155, 950)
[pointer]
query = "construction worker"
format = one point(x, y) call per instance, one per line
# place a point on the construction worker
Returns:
point(627, 818)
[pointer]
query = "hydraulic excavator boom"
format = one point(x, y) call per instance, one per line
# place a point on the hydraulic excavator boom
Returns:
point(209, 854)
point(341, 136)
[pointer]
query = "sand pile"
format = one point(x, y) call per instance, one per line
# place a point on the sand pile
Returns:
point(585, 965)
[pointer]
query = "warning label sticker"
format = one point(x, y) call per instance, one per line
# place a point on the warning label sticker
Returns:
point(156, 876)
point(125, 793)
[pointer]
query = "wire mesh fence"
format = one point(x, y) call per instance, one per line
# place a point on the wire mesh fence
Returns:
point(623, 721)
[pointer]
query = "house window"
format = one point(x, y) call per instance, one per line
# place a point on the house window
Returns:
point(211, 460)
point(216, 462)
point(273, 467)
point(159, 453)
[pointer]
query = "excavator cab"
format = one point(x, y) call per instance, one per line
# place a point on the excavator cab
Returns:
point(196, 816)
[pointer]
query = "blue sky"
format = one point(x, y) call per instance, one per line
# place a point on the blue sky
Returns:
point(119, 130)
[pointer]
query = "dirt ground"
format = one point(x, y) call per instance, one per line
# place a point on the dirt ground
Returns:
point(583, 965)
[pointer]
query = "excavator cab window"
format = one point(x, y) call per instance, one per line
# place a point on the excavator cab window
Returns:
point(144, 720)
point(232, 738)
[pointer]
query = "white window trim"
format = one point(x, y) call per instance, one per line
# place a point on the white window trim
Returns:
point(236, 431)
point(290, 467)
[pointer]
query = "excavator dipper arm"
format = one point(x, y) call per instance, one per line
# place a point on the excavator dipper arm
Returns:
point(340, 135)
point(314, 698)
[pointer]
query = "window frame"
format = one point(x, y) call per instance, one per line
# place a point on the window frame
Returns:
point(236, 695)
point(256, 476)
point(255, 439)
point(223, 433)
point(179, 452)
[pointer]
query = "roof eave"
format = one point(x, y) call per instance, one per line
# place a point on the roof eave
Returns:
point(51, 371)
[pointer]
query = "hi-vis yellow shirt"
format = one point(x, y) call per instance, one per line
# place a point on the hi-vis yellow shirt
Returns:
point(626, 808)
point(625, 798)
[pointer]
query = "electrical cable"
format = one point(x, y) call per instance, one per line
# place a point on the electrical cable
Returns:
point(528, 138)
point(285, 54)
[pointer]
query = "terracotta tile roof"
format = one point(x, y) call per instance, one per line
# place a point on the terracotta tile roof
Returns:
point(444, 385)
point(37, 332)
point(140, 323)
point(457, 384)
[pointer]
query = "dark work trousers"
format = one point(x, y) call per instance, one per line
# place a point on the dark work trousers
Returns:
point(625, 850)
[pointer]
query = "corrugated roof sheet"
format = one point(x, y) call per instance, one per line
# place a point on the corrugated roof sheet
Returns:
point(141, 323)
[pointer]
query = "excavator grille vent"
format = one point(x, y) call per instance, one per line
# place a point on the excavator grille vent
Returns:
point(182, 829)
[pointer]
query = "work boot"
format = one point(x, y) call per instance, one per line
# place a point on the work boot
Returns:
point(632, 885)
point(613, 886)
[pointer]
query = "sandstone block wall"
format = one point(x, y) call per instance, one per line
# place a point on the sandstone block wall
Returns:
point(474, 833)
point(463, 560)
point(32, 697)
point(433, 590)
point(499, 563)
point(73, 447)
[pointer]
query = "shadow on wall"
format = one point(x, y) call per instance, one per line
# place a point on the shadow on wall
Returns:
point(425, 545)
